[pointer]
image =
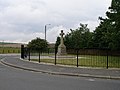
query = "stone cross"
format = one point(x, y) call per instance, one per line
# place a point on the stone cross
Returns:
point(61, 47)
point(61, 34)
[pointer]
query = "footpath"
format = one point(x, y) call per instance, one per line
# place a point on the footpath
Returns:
point(62, 70)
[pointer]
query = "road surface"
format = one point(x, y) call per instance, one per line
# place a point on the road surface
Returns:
point(16, 79)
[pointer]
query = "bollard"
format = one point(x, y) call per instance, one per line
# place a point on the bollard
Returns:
point(22, 51)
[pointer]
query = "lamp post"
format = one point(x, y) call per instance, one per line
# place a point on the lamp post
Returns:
point(46, 29)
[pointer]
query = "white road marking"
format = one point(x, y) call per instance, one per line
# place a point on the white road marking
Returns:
point(91, 80)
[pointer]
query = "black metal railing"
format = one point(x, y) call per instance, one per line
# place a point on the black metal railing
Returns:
point(105, 58)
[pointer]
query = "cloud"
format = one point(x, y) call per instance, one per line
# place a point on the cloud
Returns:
point(23, 20)
point(54, 32)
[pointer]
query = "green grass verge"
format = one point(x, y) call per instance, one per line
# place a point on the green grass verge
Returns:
point(87, 61)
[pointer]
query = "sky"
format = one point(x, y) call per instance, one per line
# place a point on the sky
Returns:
point(24, 20)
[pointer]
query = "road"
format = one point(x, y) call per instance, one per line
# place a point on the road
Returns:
point(16, 79)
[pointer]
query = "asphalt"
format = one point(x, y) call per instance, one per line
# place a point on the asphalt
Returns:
point(62, 70)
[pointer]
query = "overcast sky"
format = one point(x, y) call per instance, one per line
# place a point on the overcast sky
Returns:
point(23, 20)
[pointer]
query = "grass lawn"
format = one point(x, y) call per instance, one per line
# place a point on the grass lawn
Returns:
point(87, 61)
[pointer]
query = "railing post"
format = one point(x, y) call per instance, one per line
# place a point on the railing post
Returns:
point(55, 55)
point(77, 57)
point(29, 54)
point(39, 56)
point(107, 60)
point(48, 51)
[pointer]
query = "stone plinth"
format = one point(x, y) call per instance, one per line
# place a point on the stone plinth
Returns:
point(61, 50)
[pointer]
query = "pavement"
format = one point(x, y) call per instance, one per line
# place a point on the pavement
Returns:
point(61, 70)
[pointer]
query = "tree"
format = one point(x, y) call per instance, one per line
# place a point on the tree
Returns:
point(114, 16)
point(107, 34)
point(78, 38)
point(102, 34)
point(37, 44)
point(57, 42)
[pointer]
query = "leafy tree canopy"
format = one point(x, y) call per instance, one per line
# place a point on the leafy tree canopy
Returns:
point(78, 38)
point(38, 44)
point(107, 34)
